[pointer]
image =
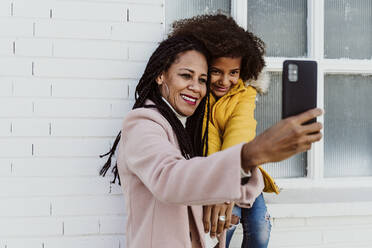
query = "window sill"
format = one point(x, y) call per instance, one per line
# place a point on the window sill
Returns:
point(319, 202)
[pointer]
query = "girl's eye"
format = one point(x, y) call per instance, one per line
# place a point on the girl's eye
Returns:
point(234, 73)
point(215, 72)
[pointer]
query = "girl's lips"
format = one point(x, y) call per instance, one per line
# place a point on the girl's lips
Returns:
point(222, 89)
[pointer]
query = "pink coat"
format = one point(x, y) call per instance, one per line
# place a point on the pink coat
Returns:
point(159, 184)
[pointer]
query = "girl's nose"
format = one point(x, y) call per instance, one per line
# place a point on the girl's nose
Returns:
point(224, 80)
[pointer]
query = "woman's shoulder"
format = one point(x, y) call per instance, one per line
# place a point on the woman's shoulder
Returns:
point(150, 113)
point(145, 116)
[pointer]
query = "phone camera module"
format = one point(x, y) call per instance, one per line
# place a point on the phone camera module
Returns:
point(292, 73)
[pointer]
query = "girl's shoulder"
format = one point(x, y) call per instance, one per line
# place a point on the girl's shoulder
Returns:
point(243, 89)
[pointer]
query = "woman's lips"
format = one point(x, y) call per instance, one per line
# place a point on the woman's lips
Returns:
point(189, 99)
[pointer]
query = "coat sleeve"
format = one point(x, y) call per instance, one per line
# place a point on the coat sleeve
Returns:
point(148, 153)
point(241, 126)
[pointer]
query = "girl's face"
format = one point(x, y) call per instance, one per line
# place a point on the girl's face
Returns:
point(225, 72)
point(184, 84)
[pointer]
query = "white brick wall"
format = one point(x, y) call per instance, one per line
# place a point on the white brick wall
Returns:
point(5, 8)
point(68, 70)
point(6, 47)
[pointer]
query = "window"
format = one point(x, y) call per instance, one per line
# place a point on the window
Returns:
point(337, 34)
point(284, 28)
point(348, 123)
point(179, 9)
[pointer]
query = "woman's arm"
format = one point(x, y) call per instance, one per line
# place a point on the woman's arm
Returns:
point(171, 178)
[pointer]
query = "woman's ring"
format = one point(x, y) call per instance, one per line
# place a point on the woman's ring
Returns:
point(222, 218)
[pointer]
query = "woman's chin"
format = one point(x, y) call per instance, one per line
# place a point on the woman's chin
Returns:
point(187, 111)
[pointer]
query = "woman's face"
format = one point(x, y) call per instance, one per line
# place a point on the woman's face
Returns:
point(225, 72)
point(184, 84)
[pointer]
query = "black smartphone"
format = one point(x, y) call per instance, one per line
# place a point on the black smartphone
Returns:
point(299, 87)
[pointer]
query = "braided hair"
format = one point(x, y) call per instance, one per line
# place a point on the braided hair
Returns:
point(192, 140)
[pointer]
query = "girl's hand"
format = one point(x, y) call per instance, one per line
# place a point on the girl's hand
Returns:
point(211, 218)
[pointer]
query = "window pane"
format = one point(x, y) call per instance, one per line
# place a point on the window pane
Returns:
point(348, 125)
point(179, 9)
point(269, 112)
point(348, 29)
point(281, 24)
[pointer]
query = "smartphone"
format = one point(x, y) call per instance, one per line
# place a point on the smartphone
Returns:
point(299, 87)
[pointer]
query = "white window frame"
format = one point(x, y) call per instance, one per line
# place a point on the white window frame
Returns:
point(315, 46)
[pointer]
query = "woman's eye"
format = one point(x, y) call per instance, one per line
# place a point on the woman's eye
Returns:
point(187, 76)
point(203, 80)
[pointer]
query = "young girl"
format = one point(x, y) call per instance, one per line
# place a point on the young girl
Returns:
point(235, 73)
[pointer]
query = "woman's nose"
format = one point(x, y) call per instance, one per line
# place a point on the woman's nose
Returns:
point(194, 86)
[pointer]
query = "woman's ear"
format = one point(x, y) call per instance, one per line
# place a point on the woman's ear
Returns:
point(159, 79)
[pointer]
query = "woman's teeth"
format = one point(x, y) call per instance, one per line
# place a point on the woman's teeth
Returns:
point(188, 98)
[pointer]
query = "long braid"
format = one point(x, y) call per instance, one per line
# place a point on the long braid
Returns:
point(147, 88)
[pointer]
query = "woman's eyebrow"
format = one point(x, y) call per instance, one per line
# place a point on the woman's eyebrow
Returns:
point(187, 69)
point(192, 71)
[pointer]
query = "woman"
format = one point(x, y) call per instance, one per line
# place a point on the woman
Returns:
point(164, 181)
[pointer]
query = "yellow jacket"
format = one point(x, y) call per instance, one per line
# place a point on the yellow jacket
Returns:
point(232, 122)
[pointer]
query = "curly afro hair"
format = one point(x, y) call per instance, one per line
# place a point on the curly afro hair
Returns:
point(223, 37)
